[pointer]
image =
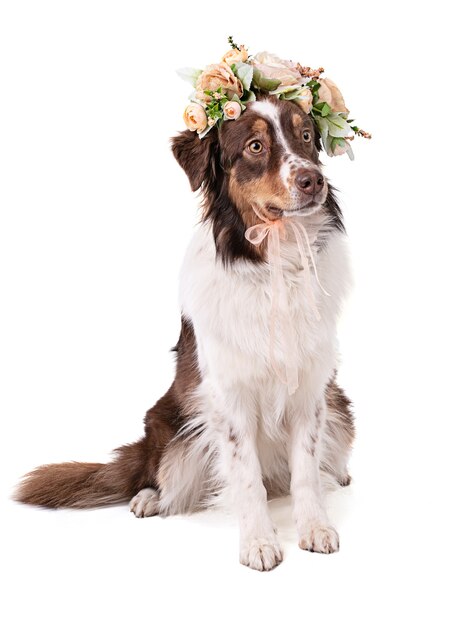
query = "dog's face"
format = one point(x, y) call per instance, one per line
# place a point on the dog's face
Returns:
point(265, 163)
point(271, 158)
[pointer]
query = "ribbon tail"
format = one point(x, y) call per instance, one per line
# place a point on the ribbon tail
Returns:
point(312, 258)
point(307, 277)
point(278, 309)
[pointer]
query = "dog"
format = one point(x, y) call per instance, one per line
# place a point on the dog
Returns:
point(228, 424)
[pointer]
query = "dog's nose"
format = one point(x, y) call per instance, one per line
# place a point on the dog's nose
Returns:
point(309, 181)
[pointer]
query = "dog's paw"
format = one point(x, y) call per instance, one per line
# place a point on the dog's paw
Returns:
point(322, 539)
point(145, 503)
point(344, 480)
point(261, 553)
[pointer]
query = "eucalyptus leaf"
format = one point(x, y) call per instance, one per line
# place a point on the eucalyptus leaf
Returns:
point(263, 83)
point(350, 152)
point(284, 89)
point(203, 133)
point(327, 145)
point(245, 74)
point(337, 126)
point(323, 128)
point(189, 74)
point(290, 95)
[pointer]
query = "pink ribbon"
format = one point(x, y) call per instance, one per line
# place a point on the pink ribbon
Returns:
point(274, 231)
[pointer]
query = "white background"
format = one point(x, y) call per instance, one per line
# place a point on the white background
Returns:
point(95, 217)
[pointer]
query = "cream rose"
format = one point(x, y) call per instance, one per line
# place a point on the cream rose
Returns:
point(195, 117)
point(305, 100)
point(235, 56)
point(272, 66)
point(215, 76)
point(232, 110)
point(330, 94)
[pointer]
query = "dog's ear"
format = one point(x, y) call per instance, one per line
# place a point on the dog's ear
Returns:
point(197, 157)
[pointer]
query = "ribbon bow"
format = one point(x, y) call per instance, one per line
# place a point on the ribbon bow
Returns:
point(274, 230)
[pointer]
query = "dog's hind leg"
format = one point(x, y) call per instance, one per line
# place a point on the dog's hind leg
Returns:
point(339, 434)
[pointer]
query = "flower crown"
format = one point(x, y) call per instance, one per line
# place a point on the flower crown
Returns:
point(222, 91)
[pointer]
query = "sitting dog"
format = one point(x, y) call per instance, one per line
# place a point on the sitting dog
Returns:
point(229, 422)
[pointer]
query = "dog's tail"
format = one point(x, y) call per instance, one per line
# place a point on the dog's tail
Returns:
point(84, 485)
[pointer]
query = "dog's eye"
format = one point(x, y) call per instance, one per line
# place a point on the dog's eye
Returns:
point(255, 147)
point(307, 136)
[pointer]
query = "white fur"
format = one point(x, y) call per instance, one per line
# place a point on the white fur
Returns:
point(145, 503)
point(255, 434)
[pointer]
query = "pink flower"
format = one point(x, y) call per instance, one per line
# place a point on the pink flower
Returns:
point(272, 66)
point(195, 117)
point(232, 110)
point(215, 76)
point(330, 94)
point(235, 56)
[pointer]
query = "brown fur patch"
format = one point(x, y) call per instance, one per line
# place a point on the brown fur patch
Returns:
point(82, 485)
point(260, 126)
point(297, 120)
point(338, 402)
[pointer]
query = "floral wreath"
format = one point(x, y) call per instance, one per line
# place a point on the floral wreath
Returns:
point(222, 91)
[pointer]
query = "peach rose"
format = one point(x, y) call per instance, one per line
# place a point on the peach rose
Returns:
point(215, 76)
point(330, 94)
point(305, 100)
point(195, 117)
point(232, 110)
point(235, 56)
point(272, 66)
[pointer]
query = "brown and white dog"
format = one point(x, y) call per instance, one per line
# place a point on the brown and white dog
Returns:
point(228, 424)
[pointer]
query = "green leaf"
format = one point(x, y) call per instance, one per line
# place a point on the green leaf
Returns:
point(313, 84)
point(290, 95)
point(337, 126)
point(322, 108)
point(233, 44)
point(245, 74)
point(284, 89)
point(322, 127)
point(248, 96)
point(190, 74)
point(263, 83)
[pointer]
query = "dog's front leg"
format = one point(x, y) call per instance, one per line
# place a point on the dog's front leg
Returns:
point(241, 469)
point(314, 530)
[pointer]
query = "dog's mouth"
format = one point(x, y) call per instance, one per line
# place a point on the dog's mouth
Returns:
point(306, 209)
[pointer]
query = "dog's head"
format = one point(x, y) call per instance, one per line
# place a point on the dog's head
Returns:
point(266, 162)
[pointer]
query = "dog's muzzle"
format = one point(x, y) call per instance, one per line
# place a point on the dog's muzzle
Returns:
point(309, 181)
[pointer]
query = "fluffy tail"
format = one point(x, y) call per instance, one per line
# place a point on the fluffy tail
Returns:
point(84, 485)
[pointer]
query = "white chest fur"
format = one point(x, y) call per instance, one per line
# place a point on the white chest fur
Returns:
point(230, 309)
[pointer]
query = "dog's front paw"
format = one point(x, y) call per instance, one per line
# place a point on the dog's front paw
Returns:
point(145, 503)
point(322, 539)
point(261, 553)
